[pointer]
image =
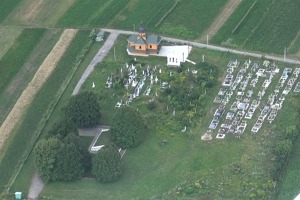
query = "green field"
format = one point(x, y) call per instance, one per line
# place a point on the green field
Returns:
point(36, 116)
point(6, 6)
point(183, 167)
point(37, 13)
point(8, 37)
point(10, 64)
point(19, 82)
point(23, 180)
point(269, 27)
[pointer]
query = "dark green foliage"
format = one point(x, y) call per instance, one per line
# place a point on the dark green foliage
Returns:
point(83, 109)
point(10, 64)
point(127, 127)
point(63, 127)
point(69, 162)
point(58, 160)
point(86, 160)
point(45, 158)
point(107, 164)
point(151, 105)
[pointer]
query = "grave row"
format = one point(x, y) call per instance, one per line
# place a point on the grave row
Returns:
point(243, 87)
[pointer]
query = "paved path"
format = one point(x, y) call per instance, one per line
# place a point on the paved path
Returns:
point(36, 187)
point(97, 59)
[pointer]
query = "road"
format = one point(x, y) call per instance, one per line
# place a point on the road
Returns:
point(97, 59)
point(217, 48)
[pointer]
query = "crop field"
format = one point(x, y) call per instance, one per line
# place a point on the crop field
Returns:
point(37, 114)
point(190, 18)
point(6, 7)
point(38, 12)
point(10, 64)
point(8, 37)
point(20, 81)
point(94, 13)
point(270, 26)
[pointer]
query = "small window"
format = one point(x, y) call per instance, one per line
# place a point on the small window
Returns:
point(150, 46)
point(140, 47)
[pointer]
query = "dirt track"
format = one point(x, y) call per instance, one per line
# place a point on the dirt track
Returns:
point(220, 20)
point(45, 70)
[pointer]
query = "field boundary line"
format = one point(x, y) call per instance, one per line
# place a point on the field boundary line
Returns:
point(220, 19)
point(243, 18)
point(43, 73)
point(167, 13)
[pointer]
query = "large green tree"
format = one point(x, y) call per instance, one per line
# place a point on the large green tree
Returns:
point(62, 127)
point(45, 157)
point(58, 160)
point(127, 127)
point(83, 109)
point(107, 164)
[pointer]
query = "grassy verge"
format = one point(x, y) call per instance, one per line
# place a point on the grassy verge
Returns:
point(38, 113)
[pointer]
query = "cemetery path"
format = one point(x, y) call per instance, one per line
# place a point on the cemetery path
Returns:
point(227, 10)
point(97, 59)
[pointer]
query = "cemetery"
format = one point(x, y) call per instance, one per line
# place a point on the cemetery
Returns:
point(252, 93)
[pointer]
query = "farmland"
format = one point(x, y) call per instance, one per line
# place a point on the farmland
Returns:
point(264, 29)
point(170, 163)
point(11, 64)
point(37, 114)
point(38, 12)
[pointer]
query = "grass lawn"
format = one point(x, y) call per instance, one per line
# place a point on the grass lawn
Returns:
point(288, 188)
point(226, 169)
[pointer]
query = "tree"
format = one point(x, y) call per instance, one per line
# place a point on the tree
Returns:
point(45, 157)
point(63, 127)
point(127, 127)
point(107, 164)
point(69, 162)
point(57, 160)
point(83, 109)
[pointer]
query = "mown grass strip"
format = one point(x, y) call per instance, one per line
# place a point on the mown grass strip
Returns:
point(6, 6)
point(40, 110)
point(15, 57)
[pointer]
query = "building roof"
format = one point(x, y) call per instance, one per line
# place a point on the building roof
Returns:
point(142, 29)
point(140, 41)
point(132, 38)
point(153, 39)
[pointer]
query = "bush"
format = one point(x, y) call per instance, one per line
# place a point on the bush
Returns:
point(83, 109)
point(107, 164)
point(127, 127)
